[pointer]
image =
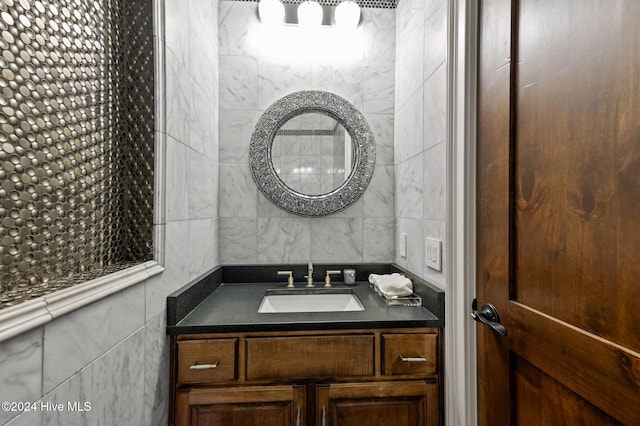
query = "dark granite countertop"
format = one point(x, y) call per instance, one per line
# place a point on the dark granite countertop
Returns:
point(227, 300)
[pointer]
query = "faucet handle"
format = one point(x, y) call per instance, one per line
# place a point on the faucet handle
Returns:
point(290, 279)
point(327, 279)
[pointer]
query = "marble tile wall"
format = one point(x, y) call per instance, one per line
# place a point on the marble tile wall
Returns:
point(114, 352)
point(420, 130)
point(257, 67)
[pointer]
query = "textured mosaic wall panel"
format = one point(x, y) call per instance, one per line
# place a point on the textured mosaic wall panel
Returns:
point(76, 141)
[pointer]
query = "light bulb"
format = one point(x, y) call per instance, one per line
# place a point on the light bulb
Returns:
point(347, 14)
point(310, 14)
point(271, 12)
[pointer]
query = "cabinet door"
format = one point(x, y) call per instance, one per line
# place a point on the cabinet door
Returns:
point(412, 403)
point(242, 406)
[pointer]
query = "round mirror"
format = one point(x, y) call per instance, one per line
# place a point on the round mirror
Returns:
point(312, 153)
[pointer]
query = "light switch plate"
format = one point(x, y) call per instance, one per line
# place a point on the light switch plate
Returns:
point(403, 245)
point(433, 253)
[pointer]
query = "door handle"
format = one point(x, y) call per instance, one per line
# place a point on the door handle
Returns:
point(487, 315)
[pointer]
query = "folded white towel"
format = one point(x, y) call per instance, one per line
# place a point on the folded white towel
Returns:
point(393, 285)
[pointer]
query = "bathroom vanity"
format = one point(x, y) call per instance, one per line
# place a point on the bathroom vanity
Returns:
point(231, 364)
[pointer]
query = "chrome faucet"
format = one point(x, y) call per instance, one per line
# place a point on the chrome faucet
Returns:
point(309, 275)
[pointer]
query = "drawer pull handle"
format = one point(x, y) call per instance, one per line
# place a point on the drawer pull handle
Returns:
point(413, 359)
point(204, 366)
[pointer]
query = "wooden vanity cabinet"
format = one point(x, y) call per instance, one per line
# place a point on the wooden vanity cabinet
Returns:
point(328, 378)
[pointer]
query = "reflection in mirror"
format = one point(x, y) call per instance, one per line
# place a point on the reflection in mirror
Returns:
point(312, 153)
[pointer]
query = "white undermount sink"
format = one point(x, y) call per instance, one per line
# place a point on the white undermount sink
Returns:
point(309, 300)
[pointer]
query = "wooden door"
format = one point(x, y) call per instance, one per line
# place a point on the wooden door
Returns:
point(412, 403)
point(558, 228)
point(242, 406)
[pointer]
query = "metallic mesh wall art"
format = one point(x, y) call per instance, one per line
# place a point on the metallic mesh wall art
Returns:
point(76, 141)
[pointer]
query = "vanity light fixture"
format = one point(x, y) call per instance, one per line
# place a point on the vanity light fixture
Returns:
point(271, 12)
point(347, 14)
point(310, 14)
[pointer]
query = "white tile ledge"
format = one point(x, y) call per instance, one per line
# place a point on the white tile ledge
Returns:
point(33, 313)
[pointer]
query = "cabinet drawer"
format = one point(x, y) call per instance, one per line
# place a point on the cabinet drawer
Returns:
point(204, 361)
point(409, 354)
point(310, 357)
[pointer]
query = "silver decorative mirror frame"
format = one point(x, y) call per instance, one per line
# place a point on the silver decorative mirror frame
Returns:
point(264, 173)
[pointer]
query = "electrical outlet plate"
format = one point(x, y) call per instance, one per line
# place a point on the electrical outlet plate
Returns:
point(433, 253)
point(403, 245)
